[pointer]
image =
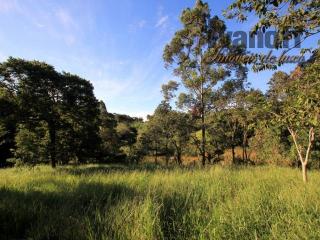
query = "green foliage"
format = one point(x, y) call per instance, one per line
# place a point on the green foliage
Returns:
point(108, 134)
point(168, 132)
point(8, 119)
point(65, 103)
point(31, 146)
point(114, 202)
point(270, 148)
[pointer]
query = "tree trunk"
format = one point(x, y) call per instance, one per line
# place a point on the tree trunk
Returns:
point(233, 154)
point(243, 157)
point(203, 141)
point(156, 156)
point(179, 158)
point(233, 145)
point(304, 172)
point(52, 144)
point(304, 162)
point(244, 147)
point(167, 155)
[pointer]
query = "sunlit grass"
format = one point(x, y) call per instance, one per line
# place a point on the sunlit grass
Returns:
point(117, 202)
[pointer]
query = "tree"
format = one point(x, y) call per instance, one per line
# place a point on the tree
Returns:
point(179, 132)
point(65, 103)
point(189, 52)
point(79, 114)
point(277, 87)
point(108, 134)
point(250, 110)
point(161, 118)
point(152, 134)
point(300, 111)
point(128, 137)
point(217, 136)
point(38, 88)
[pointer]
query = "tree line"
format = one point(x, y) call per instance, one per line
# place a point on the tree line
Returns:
point(52, 116)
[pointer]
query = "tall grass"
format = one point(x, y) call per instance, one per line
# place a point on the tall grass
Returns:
point(110, 202)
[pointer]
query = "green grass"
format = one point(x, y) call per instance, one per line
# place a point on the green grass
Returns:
point(114, 202)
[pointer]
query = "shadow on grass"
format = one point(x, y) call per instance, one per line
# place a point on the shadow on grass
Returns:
point(60, 212)
point(176, 219)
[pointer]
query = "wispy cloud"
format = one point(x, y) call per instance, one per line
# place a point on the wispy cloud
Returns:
point(162, 21)
point(56, 21)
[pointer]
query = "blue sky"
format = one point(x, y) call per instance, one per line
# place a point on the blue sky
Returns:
point(117, 45)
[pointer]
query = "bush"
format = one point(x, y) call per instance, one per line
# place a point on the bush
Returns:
point(269, 148)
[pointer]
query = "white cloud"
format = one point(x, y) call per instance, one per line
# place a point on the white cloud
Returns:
point(39, 25)
point(162, 21)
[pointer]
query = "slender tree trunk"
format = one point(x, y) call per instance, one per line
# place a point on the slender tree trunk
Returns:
point(179, 153)
point(304, 172)
point(156, 156)
point(167, 155)
point(203, 127)
point(167, 161)
point(243, 157)
point(233, 154)
point(244, 147)
point(52, 144)
point(233, 146)
point(246, 153)
point(203, 141)
point(179, 158)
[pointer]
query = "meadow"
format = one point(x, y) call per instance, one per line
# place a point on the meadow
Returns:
point(119, 202)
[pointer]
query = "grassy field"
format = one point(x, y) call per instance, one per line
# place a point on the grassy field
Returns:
point(114, 202)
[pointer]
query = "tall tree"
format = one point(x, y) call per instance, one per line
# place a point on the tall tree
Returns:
point(189, 52)
point(39, 90)
point(80, 113)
